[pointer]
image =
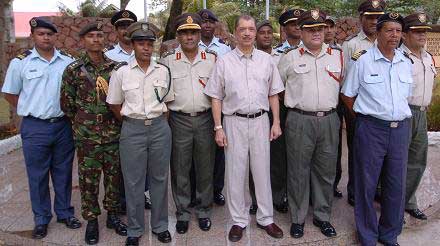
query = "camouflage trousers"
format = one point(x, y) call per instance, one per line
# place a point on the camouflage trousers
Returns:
point(94, 159)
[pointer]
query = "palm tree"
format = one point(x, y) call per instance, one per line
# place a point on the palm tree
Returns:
point(90, 8)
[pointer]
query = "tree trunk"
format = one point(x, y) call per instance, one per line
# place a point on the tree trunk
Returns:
point(124, 3)
point(175, 10)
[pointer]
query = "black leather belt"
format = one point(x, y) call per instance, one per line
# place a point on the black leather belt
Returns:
point(386, 123)
point(311, 113)
point(251, 116)
point(192, 114)
point(50, 120)
point(419, 108)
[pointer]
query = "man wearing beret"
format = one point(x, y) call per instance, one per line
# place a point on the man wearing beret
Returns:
point(312, 73)
point(122, 51)
point(289, 22)
point(376, 91)
point(414, 40)
point(137, 95)
point(369, 11)
point(31, 86)
point(96, 131)
point(191, 123)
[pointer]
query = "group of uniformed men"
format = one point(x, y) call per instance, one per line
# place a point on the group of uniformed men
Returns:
point(133, 116)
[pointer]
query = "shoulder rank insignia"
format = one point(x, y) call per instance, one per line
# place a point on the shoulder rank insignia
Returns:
point(351, 37)
point(407, 56)
point(221, 41)
point(287, 50)
point(108, 48)
point(74, 65)
point(278, 46)
point(211, 52)
point(65, 53)
point(23, 55)
point(169, 52)
point(119, 65)
point(358, 54)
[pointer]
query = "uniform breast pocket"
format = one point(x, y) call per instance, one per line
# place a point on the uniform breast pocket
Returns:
point(203, 78)
point(179, 81)
point(405, 84)
point(33, 75)
point(374, 84)
point(335, 73)
point(161, 86)
point(131, 91)
point(301, 69)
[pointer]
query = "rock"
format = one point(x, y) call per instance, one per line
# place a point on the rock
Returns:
point(68, 21)
point(69, 42)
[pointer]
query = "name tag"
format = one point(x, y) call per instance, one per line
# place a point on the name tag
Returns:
point(302, 65)
point(374, 75)
point(32, 70)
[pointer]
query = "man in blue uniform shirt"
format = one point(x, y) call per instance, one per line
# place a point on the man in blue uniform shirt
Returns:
point(376, 91)
point(289, 22)
point(122, 51)
point(32, 86)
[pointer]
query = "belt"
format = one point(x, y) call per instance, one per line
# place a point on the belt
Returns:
point(195, 114)
point(386, 123)
point(50, 120)
point(145, 122)
point(251, 116)
point(311, 113)
point(419, 108)
point(95, 117)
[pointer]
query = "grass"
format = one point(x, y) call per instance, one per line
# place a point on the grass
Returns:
point(434, 109)
point(4, 111)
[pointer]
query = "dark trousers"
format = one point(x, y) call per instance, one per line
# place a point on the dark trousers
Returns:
point(340, 110)
point(349, 127)
point(48, 148)
point(380, 148)
point(219, 170)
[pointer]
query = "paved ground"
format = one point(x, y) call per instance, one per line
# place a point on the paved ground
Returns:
point(16, 217)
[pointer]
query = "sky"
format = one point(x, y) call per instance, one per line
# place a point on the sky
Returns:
point(137, 6)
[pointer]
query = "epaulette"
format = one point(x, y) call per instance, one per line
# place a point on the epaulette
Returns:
point(335, 47)
point(65, 53)
point(290, 49)
point(23, 55)
point(108, 48)
point(211, 52)
point(351, 37)
point(74, 64)
point(119, 65)
point(358, 54)
point(280, 51)
point(279, 45)
point(221, 41)
point(169, 52)
point(407, 56)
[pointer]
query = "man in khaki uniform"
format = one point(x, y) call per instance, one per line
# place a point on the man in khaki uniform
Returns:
point(243, 83)
point(191, 123)
point(369, 11)
point(312, 73)
point(414, 40)
point(137, 94)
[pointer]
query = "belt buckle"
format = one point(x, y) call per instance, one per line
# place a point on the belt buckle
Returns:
point(320, 114)
point(422, 108)
point(53, 120)
point(394, 124)
point(99, 118)
point(193, 114)
point(148, 122)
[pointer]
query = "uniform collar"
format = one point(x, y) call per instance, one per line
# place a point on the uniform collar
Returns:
point(85, 58)
point(119, 49)
point(407, 50)
point(215, 41)
point(179, 55)
point(153, 65)
point(363, 36)
point(304, 49)
point(56, 55)
point(241, 55)
point(398, 55)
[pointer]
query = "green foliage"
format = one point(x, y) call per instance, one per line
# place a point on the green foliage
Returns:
point(90, 8)
point(434, 109)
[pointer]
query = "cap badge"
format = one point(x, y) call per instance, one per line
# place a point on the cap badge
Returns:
point(189, 20)
point(422, 18)
point(394, 16)
point(315, 14)
point(205, 15)
point(125, 14)
point(296, 12)
point(33, 23)
point(144, 27)
point(375, 4)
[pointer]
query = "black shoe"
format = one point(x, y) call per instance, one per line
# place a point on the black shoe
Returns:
point(147, 203)
point(417, 213)
point(123, 209)
point(281, 208)
point(71, 222)
point(350, 200)
point(132, 241)
point(388, 244)
point(326, 228)
point(39, 232)
point(337, 193)
point(205, 224)
point(253, 209)
point(182, 226)
point(92, 232)
point(297, 230)
point(219, 198)
point(163, 237)
point(114, 222)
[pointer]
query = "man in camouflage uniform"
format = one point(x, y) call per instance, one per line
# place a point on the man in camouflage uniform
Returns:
point(96, 131)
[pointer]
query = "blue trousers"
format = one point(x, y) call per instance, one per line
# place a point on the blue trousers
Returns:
point(378, 147)
point(48, 148)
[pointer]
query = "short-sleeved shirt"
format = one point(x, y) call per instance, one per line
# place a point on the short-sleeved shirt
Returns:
point(355, 44)
point(37, 82)
point(244, 83)
point(189, 80)
point(136, 90)
point(215, 45)
point(117, 53)
point(423, 74)
point(285, 46)
point(276, 56)
point(312, 82)
point(381, 87)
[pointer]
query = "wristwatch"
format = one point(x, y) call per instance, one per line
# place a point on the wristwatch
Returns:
point(216, 128)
